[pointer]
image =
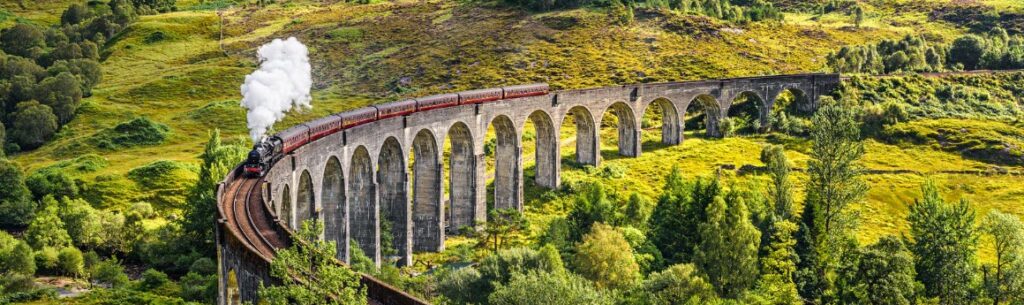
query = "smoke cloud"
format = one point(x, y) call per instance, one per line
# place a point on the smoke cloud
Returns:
point(281, 83)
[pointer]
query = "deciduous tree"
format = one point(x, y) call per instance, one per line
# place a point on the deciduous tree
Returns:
point(944, 245)
point(309, 273)
point(606, 258)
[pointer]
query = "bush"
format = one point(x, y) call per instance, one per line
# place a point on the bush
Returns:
point(49, 182)
point(71, 262)
point(548, 288)
point(152, 280)
point(110, 273)
point(48, 259)
point(34, 124)
point(63, 93)
point(463, 286)
point(15, 256)
point(140, 131)
point(16, 206)
point(47, 229)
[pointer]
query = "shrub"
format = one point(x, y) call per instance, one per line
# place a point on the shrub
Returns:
point(34, 124)
point(548, 288)
point(110, 273)
point(463, 286)
point(63, 93)
point(140, 131)
point(47, 229)
point(47, 259)
point(49, 182)
point(15, 256)
point(152, 279)
point(71, 262)
point(16, 206)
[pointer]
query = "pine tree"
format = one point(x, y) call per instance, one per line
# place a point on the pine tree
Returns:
point(727, 252)
point(826, 224)
point(944, 243)
point(681, 208)
point(780, 191)
point(201, 210)
point(777, 267)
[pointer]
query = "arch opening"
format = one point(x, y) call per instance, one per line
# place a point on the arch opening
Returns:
point(427, 210)
point(332, 198)
point(503, 149)
point(748, 113)
point(619, 116)
point(461, 165)
point(703, 113)
point(286, 208)
point(661, 114)
point(540, 130)
point(305, 207)
point(394, 202)
point(791, 112)
point(578, 120)
point(363, 204)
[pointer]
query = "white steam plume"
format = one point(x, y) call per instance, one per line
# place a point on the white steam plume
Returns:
point(282, 82)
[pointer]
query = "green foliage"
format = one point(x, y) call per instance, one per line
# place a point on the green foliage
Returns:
point(15, 256)
point(47, 229)
point(16, 206)
point(781, 189)
point(463, 286)
point(51, 182)
point(727, 247)
point(604, 256)
point(47, 260)
point(217, 160)
point(139, 131)
point(154, 281)
point(996, 50)
point(989, 141)
point(591, 206)
point(33, 125)
point(944, 244)
point(63, 93)
point(110, 273)
point(501, 225)
point(1004, 279)
point(681, 208)
point(23, 40)
point(153, 6)
point(199, 288)
point(557, 288)
point(777, 267)
point(826, 223)
point(83, 223)
point(885, 274)
point(71, 262)
point(679, 284)
point(335, 283)
point(967, 51)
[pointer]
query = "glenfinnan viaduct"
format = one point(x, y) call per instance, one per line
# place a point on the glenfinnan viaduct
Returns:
point(358, 179)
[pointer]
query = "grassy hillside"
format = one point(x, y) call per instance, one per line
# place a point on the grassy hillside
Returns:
point(181, 71)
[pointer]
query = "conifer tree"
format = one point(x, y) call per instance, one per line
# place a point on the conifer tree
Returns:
point(944, 245)
point(727, 252)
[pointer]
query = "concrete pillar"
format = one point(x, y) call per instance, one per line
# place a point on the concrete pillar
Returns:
point(427, 219)
point(462, 181)
point(587, 141)
point(546, 151)
point(480, 189)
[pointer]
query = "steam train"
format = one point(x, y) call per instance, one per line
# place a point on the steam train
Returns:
point(271, 149)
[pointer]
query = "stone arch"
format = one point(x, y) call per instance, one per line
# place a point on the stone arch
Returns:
point(393, 189)
point(546, 152)
point(286, 207)
point(462, 177)
point(750, 103)
point(332, 197)
point(507, 175)
point(426, 197)
point(304, 200)
point(707, 106)
point(627, 129)
point(671, 128)
point(586, 135)
point(794, 101)
point(362, 204)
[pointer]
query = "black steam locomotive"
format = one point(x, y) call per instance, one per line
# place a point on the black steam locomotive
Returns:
point(269, 150)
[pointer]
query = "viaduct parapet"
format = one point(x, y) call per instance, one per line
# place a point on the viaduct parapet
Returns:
point(359, 180)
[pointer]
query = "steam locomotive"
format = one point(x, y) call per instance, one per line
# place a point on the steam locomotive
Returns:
point(271, 149)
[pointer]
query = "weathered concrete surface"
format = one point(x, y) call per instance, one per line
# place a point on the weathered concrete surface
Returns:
point(362, 176)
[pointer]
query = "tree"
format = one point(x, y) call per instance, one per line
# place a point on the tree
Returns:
point(463, 286)
point(63, 93)
point(110, 273)
point(858, 13)
point(677, 285)
point(71, 262)
point(1004, 280)
point(15, 256)
point(51, 182)
point(83, 223)
point(885, 274)
point(681, 208)
point(967, 50)
point(75, 14)
point(606, 258)
point(727, 251)
point(201, 209)
point(548, 288)
point(34, 124)
point(834, 184)
point(501, 224)
point(47, 230)
point(638, 210)
point(23, 40)
point(944, 243)
point(777, 267)
point(499, 267)
point(590, 207)
point(3, 133)
point(310, 255)
point(16, 206)
point(781, 193)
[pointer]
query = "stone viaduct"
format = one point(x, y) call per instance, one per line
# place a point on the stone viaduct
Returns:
point(391, 173)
